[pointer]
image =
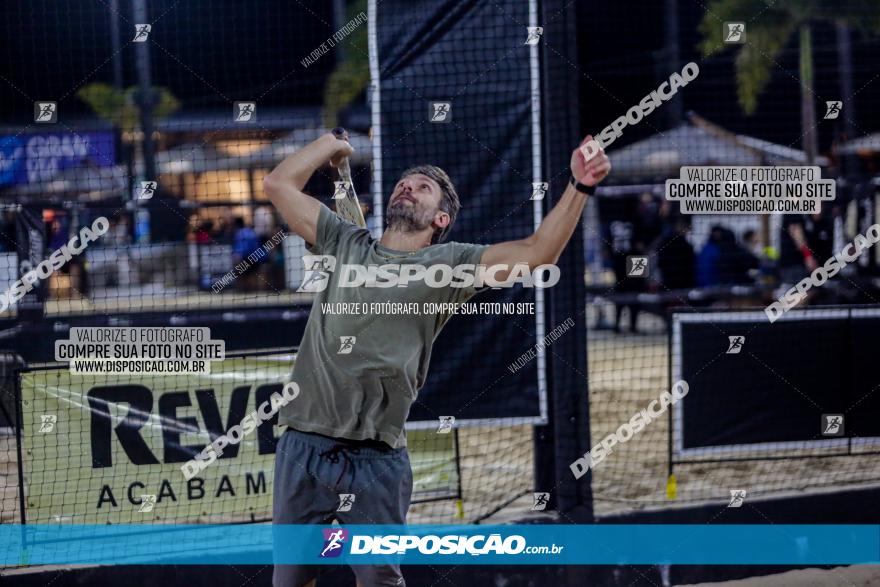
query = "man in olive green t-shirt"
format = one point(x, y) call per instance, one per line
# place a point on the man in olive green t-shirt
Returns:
point(370, 383)
point(343, 455)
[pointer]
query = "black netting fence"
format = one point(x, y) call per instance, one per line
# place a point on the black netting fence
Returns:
point(775, 88)
point(154, 124)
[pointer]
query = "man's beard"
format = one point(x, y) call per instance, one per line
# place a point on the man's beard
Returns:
point(402, 218)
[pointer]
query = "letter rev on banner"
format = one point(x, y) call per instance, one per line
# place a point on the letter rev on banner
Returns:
point(102, 449)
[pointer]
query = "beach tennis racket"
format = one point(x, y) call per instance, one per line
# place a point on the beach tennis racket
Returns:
point(347, 205)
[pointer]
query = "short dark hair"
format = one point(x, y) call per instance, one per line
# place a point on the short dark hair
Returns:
point(449, 201)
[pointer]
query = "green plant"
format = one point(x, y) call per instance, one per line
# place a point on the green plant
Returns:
point(352, 75)
point(120, 108)
point(769, 27)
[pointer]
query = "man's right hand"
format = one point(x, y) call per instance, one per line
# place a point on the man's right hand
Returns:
point(284, 185)
point(341, 148)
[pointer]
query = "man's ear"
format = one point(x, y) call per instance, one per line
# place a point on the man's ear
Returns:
point(441, 219)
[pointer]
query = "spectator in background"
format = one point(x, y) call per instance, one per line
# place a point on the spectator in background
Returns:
point(58, 236)
point(60, 287)
point(264, 223)
point(203, 233)
point(752, 244)
point(707, 260)
point(796, 258)
point(623, 244)
point(120, 233)
point(271, 271)
point(819, 232)
point(675, 257)
point(735, 262)
point(191, 228)
point(245, 242)
point(722, 261)
point(633, 238)
point(650, 219)
point(224, 231)
point(74, 270)
point(765, 255)
point(244, 239)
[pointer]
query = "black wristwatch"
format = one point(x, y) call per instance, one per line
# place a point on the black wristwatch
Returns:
point(584, 189)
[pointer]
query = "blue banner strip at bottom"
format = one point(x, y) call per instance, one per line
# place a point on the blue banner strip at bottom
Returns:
point(240, 544)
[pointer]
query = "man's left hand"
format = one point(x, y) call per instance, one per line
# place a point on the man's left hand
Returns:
point(593, 171)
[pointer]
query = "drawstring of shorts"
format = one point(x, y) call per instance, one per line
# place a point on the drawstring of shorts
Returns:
point(332, 455)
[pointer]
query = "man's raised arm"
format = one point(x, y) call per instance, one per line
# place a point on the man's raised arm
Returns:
point(547, 243)
point(284, 185)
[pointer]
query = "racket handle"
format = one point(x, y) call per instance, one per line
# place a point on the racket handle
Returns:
point(348, 207)
point(343, 167)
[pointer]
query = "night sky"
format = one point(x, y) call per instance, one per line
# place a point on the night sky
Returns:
point(212, 52)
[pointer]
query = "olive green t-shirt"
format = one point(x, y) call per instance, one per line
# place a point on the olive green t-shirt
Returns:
point(364, 390)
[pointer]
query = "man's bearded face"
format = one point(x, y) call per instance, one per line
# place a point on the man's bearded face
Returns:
point(413, 204)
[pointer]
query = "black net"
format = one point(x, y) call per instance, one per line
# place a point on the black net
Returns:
point(157, 138)
point(155, 124)
point(454, 92)
point(130, 119)
point(766, 387)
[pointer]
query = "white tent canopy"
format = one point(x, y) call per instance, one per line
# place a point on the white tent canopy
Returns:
point(865, 145)
point(199, 158)
point(697, 142)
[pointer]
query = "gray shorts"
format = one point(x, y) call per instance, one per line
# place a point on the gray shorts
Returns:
point(310, 473)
